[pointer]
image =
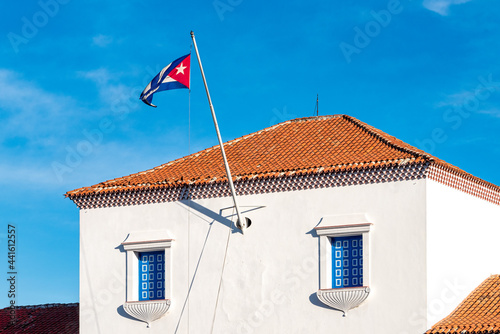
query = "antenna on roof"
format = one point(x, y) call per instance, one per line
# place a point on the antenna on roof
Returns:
point(317, 104)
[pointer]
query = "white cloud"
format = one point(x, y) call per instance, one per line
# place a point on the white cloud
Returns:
point(29, 111)
point(495, 112)
point(457, 99)
point(484, 99)
point(102, 40)
point(39, 127)
point(20, 94)
point(442, 6)
point(30, 176)
point(35, 125)
point(112, 92)
point(100, 76)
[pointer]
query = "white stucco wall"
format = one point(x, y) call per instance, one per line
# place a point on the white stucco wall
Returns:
point(463, 236)
point(271, 273)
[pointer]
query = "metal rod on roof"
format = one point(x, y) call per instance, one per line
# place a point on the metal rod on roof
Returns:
point(317, 104)
point(242, 222)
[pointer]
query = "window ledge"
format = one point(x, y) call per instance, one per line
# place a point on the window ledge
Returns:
point(147, 311)
point(343, 299)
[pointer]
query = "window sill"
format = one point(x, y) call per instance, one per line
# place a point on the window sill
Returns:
point(148, 310)
point(343, 299)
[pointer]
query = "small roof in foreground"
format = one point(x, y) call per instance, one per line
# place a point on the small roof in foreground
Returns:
point(479, 313)
point(40, 319)
point(299, 146)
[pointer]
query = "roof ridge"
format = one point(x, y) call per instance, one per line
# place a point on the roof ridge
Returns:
point(280, 148)
point(388, 139)
point(395, 143)
point(467, 307)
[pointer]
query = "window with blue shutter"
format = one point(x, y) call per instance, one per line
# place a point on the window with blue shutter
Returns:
point(152, 275)
point(347, 261)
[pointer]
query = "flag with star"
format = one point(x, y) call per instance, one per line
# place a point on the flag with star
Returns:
point(173, 76)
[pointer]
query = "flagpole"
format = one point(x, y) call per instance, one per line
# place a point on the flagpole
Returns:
point(242, 222)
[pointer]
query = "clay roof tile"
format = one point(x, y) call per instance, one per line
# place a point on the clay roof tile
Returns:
point(336, 142)
point(40, 319)
point(478, 313)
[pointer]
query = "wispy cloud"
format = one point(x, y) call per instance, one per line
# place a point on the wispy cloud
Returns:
point(494, 112)
point(442, 6)
point(102, 40)
point(484, 94)
point(22, 94)
point(39, 127)
point(30, 112)
point(100, 76)
point(111, 90)
point(35, 125)
point(27, 176)
point(456, 99)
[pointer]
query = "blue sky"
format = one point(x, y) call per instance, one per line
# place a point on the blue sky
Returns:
point(425, 71)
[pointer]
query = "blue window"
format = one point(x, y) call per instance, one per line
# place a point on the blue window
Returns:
point(152, 275)
point(347, 261)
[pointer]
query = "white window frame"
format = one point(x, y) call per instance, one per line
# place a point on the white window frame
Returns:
point(149, 241)
point(342, 226)
point(146, 241)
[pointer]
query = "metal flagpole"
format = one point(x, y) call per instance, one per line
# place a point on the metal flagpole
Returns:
point(242, 222)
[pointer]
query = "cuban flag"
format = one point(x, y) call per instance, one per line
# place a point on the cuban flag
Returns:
point(174, 76)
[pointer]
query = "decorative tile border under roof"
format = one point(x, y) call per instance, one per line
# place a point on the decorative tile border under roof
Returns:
point(479, 313)
point(300, 148)
point(40, 319)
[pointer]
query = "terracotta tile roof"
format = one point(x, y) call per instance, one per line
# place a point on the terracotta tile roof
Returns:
point(41, 319)
point(478, 313)
point(299, 146)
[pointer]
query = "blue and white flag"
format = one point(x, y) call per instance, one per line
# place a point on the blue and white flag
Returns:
point(174, 76)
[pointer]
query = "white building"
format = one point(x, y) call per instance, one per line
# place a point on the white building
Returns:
point(419, 235)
